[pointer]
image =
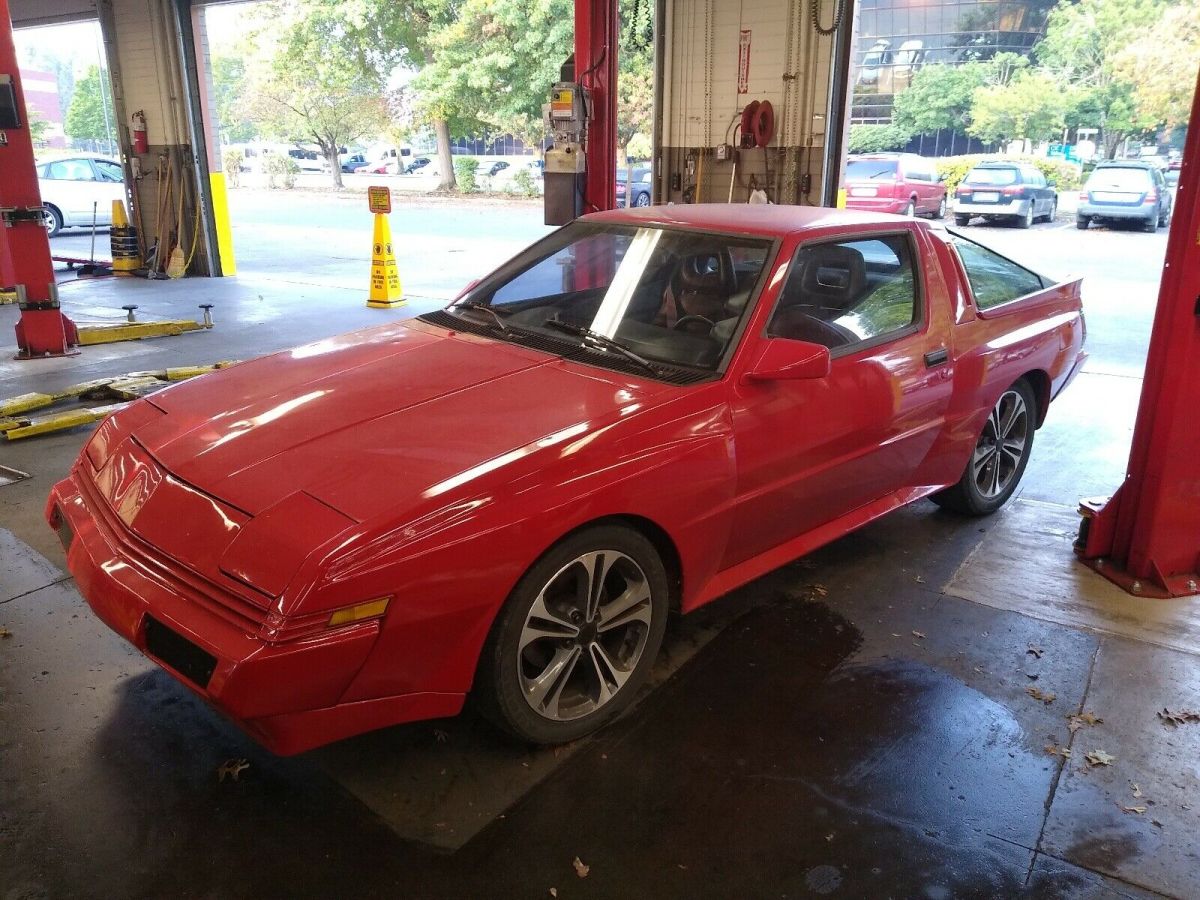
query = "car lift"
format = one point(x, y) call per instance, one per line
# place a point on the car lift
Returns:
point(1146, 537)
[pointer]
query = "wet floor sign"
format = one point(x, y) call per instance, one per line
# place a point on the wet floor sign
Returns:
point(386, 291)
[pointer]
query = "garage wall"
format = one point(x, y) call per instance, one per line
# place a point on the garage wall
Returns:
point(30, 13)
point(789, 64)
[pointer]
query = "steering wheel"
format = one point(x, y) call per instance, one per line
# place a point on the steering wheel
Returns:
point(683, 320)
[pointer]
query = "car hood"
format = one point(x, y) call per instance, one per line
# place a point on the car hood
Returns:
point(371, 422)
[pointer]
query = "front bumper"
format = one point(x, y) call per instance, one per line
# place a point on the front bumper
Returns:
point(285, 694)
point(1011, 208)
point(1125, 213)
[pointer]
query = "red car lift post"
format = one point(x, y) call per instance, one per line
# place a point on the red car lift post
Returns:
point(24, 245)
point(1146, 537)
point(596, 69)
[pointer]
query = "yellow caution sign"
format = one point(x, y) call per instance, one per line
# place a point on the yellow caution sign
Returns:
point(385, 277)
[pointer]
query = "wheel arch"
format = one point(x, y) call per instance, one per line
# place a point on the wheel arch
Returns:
point(663, 543)
point(1039, 383)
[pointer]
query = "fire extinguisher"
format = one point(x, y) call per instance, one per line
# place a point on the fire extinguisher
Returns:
point(141, 143)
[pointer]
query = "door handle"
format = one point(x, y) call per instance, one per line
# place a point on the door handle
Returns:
point(936, 357)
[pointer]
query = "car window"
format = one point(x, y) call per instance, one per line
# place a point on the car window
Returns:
point(1118, 178)
point(109, 171)
point(870, 169)
point(70, 170)
point(994, 279)
point(847, 293)
point(672, 296)
point(997, 177)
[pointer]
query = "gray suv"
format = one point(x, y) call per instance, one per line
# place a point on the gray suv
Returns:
point(1125, 191)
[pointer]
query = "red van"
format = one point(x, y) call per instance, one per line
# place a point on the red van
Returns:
point(896, 183)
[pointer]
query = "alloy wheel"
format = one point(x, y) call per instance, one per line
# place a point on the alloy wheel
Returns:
point(584, 635)
point(1002, 445)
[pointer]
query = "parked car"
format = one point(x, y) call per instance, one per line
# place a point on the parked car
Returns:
point(76, 189)
point(308, 160)
point(492, 167)
point(1125, 190)
point(379, 167)
point(642, 411)
point(1008, 191)
point(417, 164)
point(641, 187)
point(902, 183)
point(353, 162)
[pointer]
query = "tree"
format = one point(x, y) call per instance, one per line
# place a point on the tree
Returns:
point(877, 138)
point(37, 128)
point(1161, 65)
point(939, 97)
point(90, 115)
point(1082, 44)
point(1030, 106)
point(306, 88)
point(380, 37)
point(229, 83)
point(635, 78)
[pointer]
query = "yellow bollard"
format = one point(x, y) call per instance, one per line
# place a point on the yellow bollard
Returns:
point(385, 277)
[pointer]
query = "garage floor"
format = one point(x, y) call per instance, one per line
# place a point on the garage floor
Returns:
point(856, 724)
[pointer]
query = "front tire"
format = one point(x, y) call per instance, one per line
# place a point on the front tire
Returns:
point(577, 637)
point(53, 220)
point(999, 458)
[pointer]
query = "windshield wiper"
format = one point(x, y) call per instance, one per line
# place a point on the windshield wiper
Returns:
point(482, 307)
point(604, 341)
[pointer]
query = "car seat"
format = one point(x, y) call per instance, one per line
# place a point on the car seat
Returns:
point(830, 278)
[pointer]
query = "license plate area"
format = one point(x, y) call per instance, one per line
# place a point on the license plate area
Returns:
point(189, 660)
point(864, 192)
point(986, 197)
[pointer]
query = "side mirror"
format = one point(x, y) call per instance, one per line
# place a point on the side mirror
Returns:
point(782, 359)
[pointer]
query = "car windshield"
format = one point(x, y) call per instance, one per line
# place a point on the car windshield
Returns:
point(1116, 178)
point(669, 296)
point(870, 169)
point(996, 177)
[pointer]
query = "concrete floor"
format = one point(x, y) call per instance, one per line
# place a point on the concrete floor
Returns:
point(850, 725)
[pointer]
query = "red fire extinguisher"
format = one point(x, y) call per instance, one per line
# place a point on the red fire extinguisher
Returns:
point(141, 143)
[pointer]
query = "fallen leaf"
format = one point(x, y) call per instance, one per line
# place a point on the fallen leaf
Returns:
point(233, 768)
point(1055, 750)
point(1137, 791)
point(829, 837)
point(918, 634)
point(580, 869)
point(1156, 823)
point(1075, 722)
point(553, 892)
point(440, 736)
point(1133, 809)
point(920, 580)
point(1099, 758)
point(1035, 650)
point(5, 633)
point(818, 589)
point(1179, 717)
point(1046, 697)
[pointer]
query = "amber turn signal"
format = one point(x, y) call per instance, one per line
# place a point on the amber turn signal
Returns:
point(369, 610)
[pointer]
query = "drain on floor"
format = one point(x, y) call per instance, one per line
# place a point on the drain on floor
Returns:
point(9, 476)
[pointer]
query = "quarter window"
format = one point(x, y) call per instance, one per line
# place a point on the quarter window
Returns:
point(848, 293)
point(994, 279)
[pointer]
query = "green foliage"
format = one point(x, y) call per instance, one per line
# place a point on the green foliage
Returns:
point(90, 113)
point(37, 128)
point(231, 163)
point(306, 87)
point(955, 168)
point(1161, 65)
point(939, 97)
point(281, 171)
point(229, 80)
point(465, 168)
point(524, 182)
point(877, 138)
point(1030, 106)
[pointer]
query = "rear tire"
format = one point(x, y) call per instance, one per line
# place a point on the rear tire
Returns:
point(1150, 225)
point(962, 221)
point(569, 651)
point(642, 200)
point(911, 210)
point(1000, 456)
point(941, 210)
point(1164, 219)
point(1082, 222)
point(1026, 220)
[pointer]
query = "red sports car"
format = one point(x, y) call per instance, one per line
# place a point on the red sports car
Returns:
point(640, 412)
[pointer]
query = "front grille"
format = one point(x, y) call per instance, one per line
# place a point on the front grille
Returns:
point(192, 662)
point(171, 574)
point(570, 349)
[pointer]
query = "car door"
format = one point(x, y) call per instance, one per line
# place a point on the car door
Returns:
point(808, 452)
point(72, 188)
